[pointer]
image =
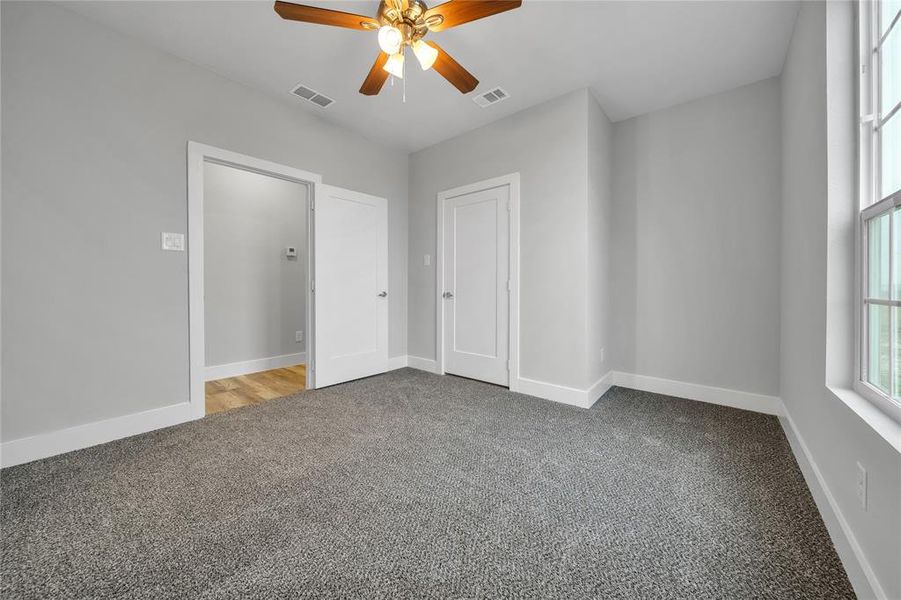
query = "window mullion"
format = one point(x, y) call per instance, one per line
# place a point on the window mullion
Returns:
point(884, 36)
point(866, 147)
point(889, 115)
point(881, 302)
point(877, 132)
point(880, 207)
point(864, 374)
point(891, 311)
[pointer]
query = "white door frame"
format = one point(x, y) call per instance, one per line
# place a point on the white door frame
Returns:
point(198, 154)
point(512, 181)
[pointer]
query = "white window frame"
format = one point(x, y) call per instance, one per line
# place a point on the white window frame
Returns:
point(871, 205)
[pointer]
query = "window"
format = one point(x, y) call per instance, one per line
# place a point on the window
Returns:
point(880, 203)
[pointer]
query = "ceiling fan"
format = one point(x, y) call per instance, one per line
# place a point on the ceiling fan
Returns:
point(402, 23)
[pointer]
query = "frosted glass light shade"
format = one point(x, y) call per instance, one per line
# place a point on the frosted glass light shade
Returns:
point(425, 54)
point(395, 65)
point(390, 39)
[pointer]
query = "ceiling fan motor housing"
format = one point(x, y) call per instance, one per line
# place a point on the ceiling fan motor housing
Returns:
point(411, 21)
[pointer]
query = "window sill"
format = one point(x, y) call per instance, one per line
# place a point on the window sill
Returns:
point(888, 428)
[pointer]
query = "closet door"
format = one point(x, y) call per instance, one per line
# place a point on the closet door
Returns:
point(476, 285)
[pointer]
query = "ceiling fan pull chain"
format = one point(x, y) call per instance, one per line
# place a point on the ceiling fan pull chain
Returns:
point(404, 71)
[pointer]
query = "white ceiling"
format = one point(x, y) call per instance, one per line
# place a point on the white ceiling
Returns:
point(636, 56)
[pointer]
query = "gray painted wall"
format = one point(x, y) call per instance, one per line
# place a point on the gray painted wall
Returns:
point(95, 127)
point(695, 273)
point(599, 242)
point(816, 249)
point(546, 144)
point(255, 297)
point(94, 315)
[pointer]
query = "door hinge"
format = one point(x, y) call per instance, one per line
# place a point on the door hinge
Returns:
point(509, 285)
point(312, 203)
point(509, 365)
point(312, 285)
point(509, 206)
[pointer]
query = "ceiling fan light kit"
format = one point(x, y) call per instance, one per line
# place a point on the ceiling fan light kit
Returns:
point(395, 65)
point(425, 54)
point(390, 39)
point(402, 23)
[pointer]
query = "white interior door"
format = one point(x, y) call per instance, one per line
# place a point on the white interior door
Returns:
point(350, 285)
point(476, 281)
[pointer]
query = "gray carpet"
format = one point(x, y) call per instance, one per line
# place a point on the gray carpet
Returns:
point(418, 486)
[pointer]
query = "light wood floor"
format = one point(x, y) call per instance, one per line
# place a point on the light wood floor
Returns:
point(245, 390)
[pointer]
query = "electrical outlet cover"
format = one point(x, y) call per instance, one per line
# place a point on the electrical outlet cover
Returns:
point(862, 486)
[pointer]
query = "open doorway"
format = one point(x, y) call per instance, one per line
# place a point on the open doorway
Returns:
point(267, 279)
point(255, 280)
point(250, 272)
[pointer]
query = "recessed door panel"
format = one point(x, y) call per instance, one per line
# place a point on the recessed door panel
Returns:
point(475, 278)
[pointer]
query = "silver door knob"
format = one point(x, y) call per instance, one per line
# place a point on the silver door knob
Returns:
point(383, 294)
point(447, 295)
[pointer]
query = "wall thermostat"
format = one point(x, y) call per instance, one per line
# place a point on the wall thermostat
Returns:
point(174, 242)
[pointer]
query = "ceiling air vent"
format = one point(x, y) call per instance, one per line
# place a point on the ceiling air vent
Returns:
point(313, 96)
point(493, 97)
point(321, 100)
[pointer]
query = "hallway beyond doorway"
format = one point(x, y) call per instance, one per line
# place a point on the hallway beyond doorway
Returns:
point(254, 388)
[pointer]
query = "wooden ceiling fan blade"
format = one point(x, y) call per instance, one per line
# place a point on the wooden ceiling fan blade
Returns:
point(457, 12)
point(324, 16)
point(373, 83)
point(453, 71)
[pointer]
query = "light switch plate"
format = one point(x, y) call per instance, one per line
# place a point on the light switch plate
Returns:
point(427, 260)
point(174, 242)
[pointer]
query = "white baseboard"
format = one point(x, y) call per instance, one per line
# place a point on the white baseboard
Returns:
point(234, 369)
point(540, 389)
point(565, 394)
point(770, 405)
point(860, 573)
point(397, 362)
point(423, 364)
point(16, 452)
point(601, 387)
